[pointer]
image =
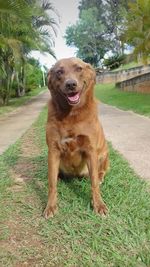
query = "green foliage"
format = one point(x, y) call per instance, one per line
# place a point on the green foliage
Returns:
point(137, 33)
point(98, 29)
point(88, 36)
point(115, 24)
point(114, 61)
point(86, 4)
point(24, 26)
point(34, 77)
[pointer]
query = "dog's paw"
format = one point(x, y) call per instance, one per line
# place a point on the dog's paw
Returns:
point(50, 211)
point(100, 208)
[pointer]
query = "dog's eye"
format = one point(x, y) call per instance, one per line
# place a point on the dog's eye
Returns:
point(59, 72)
point(79, 68)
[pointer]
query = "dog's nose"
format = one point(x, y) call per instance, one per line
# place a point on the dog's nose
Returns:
point(71, 84)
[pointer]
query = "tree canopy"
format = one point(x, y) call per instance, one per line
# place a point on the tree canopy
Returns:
point(98, 29)
point(25, 25)
point(88, 36)
point(110, 25)
point(137, 28)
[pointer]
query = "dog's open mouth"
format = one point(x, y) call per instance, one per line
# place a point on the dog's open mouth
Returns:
point(73, 98)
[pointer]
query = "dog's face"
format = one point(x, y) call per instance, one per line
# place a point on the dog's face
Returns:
point(70, 78)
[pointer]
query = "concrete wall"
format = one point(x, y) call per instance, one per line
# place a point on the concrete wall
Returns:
point(140, 84)
point(122, 75)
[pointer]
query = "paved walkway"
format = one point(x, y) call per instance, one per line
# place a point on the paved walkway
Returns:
point(128, 132)
point(13, 125)
point(130, 135)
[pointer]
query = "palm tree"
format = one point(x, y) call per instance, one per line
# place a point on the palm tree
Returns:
point(137, 31)
point(24, 26)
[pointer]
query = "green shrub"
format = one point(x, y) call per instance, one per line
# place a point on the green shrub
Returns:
point(114, 61)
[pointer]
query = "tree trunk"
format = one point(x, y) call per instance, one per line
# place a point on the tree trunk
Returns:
point(7, 88)
point(20, 90)
point(23, 79)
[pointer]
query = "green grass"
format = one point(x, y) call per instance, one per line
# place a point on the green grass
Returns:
point(75, 236)
point(109, 94)
point(17, 102)
point(129, 65)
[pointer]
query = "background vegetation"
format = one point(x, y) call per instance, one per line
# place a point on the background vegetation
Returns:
point(103, 28)
point(110, 27)
point(25, 25)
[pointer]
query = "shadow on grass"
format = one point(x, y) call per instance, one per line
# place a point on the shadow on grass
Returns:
point(69, 188)
point(79, 187)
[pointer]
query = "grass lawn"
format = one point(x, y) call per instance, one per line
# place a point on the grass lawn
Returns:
point(17, 102)
point(75, 236)
point(109, 94)
point(129, 65)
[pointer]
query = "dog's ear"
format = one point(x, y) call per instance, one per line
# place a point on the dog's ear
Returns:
point(49, 74)
point(92, 71)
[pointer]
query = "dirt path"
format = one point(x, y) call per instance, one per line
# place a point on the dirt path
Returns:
point(13, 125)
point(130, 135)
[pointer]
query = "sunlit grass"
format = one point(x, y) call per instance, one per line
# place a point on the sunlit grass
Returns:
point(136, 102)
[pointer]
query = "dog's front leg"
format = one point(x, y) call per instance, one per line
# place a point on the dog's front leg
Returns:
point(53, 169)
point(97, 202)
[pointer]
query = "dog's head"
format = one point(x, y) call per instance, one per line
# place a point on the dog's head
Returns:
point(71, 78)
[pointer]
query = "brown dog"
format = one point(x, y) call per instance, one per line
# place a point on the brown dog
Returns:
point(75, 139)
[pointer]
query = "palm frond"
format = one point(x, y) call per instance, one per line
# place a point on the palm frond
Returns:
point(19, 8)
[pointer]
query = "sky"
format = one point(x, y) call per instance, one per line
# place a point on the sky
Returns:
point(68, 12)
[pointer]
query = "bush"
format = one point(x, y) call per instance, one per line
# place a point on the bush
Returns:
point(114, 61)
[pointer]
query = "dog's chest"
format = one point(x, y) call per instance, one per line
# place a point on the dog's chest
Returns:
point(73, 144)
point(69, 144)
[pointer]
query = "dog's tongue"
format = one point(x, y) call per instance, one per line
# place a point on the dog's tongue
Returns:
point(74, 98)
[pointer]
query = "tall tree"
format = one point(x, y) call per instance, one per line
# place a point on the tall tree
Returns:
point(86, 4)
point(137, 32)
point(111, 13)
point(115, 12)
point(98, 29)
point(88, 36)
point(24, 26)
